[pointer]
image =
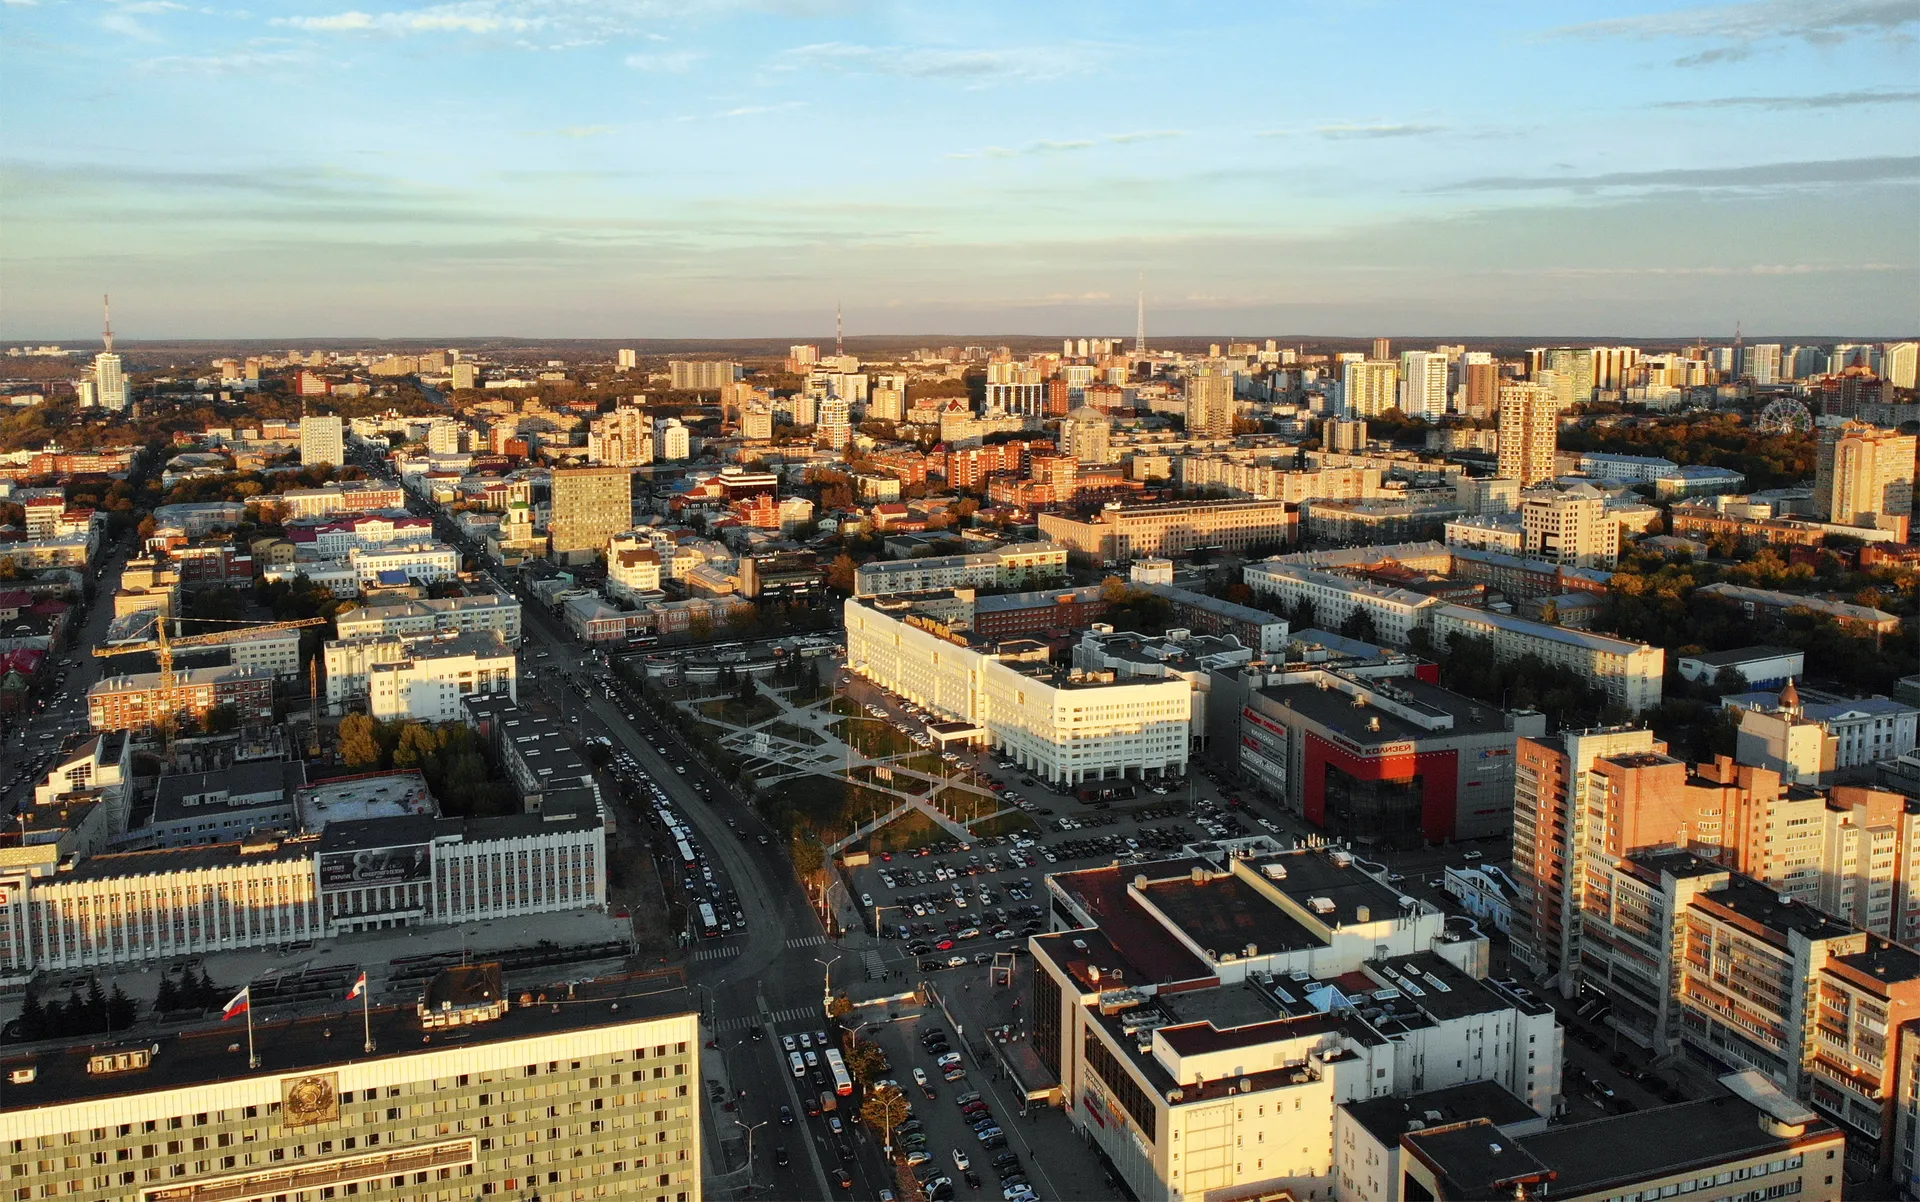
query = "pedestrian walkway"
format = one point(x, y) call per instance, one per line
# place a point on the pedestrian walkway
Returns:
point(875, 966)
point(715, 953)
point(807, 941)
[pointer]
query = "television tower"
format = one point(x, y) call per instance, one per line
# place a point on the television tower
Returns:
point(1140, 325)
point(839, 332)
point(106, 310)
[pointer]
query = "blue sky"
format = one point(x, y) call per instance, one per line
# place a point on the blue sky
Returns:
point(640, 168)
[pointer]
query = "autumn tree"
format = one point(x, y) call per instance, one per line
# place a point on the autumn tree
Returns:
point(357, 743)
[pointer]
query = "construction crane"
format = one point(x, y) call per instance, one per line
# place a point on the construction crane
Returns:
point(162, 644)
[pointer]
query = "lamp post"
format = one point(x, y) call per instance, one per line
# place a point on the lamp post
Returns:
point(750, 1128)
point(826, 994)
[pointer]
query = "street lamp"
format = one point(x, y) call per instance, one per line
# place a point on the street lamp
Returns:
point(750, 1128)
point(826, 999)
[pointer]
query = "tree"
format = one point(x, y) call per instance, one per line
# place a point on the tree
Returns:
point(808, 855)
point(1360, 625)
point(357, 744)
point(9, 568)
point(866, 1062)
point(843, 575)
point(885, 1109)
point(121, 1010)
point(167, 997)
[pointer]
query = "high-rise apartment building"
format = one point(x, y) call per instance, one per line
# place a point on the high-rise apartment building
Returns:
point(1760, 363)
point(590, 506)
point(701, 375)
point(1084, 436)
point(1613, 366)
point(1382, 348)
point(1369, 387)
point(1210, 405)
point(322, 440)
point(453, 1097)
point(1423, 384)
point(1529, 426)
point(626, 358)
point(1900, 363)
point(1572, 368)
point(1570, 528)
point(756, 422)
point(1553, 832)
point(1863, 476)
point(887, 404)
point(109, 381)
point(623, 438)
point(1479, 396)
point(465, 375)
point(836, 423)
point(1346, 435)
point(672, 440)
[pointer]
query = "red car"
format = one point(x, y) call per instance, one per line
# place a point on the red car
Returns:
point(945, 945)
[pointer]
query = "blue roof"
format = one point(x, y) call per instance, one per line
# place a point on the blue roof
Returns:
point(392, 576)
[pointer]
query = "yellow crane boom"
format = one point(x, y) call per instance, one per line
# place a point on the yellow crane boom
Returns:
point(163, 644)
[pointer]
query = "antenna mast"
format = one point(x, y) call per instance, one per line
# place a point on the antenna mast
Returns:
point(106, 310)
point(839, 332)
point(1140, 326)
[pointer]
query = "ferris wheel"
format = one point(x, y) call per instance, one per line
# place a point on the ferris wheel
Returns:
point(1785, 416)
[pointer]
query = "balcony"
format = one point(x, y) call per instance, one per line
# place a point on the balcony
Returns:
point(1860, 1084)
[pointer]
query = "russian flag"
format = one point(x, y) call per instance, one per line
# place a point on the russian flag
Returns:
point(359, 987)
point(240, 1004)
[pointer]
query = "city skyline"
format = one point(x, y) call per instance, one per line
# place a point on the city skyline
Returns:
point(529, 168)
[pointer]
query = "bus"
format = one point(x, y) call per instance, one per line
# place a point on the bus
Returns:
point(709, 925)
point(686, 854)
point(842, 1083)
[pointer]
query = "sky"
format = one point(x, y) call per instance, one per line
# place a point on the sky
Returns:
point(716, 168)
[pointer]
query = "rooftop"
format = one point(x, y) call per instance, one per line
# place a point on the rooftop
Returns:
point(1542, 630)
point(245, 784)
point(1589, 1158)
point(371, 795)
point(1225, 915)
point(1386, 1119)
point(1400, 710)
point(286, 1045)
point(1756, 903)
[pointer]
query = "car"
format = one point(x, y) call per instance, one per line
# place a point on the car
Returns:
point(820, 1039)
point(956, 1073)
point(787, 1042)
point(920, 1077)
point(843, 1179)
point(948, 1060)
point(918, 1158)
point(1013, 1193)
point(956, 961)
point(960, 1160)
point(806, 1040)
point(811, 1106)
point(1474, 855)
point(786, 1115)
point(755, 1033)
point(780, 1154)
point(835, 1125)
point(988, 1133)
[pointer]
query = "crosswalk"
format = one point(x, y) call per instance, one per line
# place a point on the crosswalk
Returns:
point(807, 1016)
point(715, 953)
point(807, 941)
point(875, 966)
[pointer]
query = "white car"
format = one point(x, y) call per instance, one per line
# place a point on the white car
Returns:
point(786, 1041)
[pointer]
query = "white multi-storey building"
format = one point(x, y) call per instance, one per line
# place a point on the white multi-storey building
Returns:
point(1629, 673)
point(1571, 528)
point(418, 676)
point(1068, 727)
point(322, 440)
point(420, 563)
point(278, 651)
point(496, 612)
point(1395, 612)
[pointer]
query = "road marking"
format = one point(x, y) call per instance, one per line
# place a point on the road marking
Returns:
point(716, 953)
point(807, 941)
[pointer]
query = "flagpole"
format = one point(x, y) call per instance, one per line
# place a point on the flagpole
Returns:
point(253, 1060)
point(366, 1017)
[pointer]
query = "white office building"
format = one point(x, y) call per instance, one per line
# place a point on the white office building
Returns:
point(1068, 727)
point(424, 676)
point(496, 612)
point(322, 441)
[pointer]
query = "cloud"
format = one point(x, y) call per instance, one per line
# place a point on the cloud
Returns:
point(669, 62)
point(1736, 31)
point(21, 3)
point(1825, 100)
point(242, 62)
point(1146, 135)
point(445, 18)
point(1404, 130)
point(1758, 175)
point(928, 62)
point(586, 131)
